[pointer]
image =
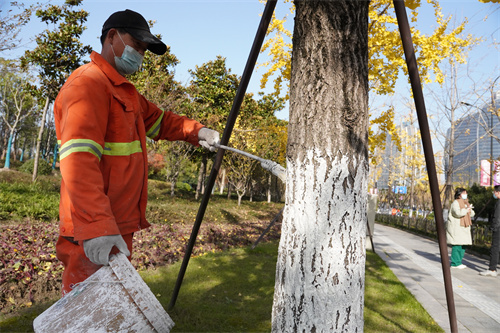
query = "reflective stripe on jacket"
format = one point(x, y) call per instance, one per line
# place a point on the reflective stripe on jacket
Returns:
point(101, 125)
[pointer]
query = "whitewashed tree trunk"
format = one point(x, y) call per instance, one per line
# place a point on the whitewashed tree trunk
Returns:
point(39, 140)
point(269, 184)
point(320, 270)
point(200, 187)
point(223, 181)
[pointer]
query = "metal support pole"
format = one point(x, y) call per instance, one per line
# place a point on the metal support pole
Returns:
point(268, 228)
point(418, 96)
point(233, 115)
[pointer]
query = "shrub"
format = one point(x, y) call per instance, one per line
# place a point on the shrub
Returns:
point(183, 186)
point(33, 200)
point(14, 164)
point(44, 168)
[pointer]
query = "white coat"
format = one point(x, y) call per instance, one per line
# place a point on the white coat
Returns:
point(455, 233)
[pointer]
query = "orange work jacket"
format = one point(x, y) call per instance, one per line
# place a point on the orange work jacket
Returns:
point(101, 124)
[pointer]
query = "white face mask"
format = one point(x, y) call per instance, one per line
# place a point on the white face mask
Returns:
point(130, 61)
point(464, 196)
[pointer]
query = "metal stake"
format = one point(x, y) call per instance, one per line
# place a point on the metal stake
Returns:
point(411, 62)
point(233, 114)
point(268, 228)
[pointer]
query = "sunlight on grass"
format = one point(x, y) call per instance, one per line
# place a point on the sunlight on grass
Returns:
point(222, 291)
point(232, 291)
point(389, 306)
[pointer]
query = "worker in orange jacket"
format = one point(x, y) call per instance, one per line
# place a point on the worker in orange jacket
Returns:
point(101, 124)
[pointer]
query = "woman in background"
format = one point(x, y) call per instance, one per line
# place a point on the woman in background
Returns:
point(458, 228)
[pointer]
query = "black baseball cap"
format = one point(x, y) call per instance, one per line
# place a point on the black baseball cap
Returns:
point(135, 24)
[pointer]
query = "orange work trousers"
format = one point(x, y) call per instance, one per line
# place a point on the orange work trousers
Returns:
point(77, 267)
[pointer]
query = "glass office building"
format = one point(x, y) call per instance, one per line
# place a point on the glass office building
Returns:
point(473, 143)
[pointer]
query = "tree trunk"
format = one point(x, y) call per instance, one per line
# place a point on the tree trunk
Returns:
point(173, 182)
point(47, 146)
point(320, 270)
point(54, 161)
point(14, 146)
point(201, 176)
point(23, 150)
point(222, 182)
point(448, 190)
point(9, 148)
point(269, 184)
point(5, 139)
point(240, 196)
point(250, 191)
point(39, 139)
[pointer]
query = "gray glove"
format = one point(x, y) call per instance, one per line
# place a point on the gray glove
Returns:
point(98, 249)
point(208, 138)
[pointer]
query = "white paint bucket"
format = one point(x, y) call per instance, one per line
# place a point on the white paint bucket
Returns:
point(113, 299)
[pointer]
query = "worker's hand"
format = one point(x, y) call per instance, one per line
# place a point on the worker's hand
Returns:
point(208, 138)
point(98, 249)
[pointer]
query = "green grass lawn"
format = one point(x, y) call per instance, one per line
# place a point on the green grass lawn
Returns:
point(225, 291)
point(389, 306)
point(232, 291)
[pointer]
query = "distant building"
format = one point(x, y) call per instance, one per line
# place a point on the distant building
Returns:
point(472, 143)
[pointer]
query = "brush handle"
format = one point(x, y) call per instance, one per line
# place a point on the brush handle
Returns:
point(273, 167)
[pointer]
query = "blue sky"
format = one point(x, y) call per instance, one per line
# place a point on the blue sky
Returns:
point(198, 31)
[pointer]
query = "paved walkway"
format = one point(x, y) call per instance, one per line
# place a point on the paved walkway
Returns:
point(416, 262)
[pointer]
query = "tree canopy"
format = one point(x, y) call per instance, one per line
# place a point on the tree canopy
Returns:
point(60, 51)
point(11, 25)
point(386, 56)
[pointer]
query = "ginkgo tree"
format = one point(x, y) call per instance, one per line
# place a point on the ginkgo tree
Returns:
point(386, 58)
point(321, 257)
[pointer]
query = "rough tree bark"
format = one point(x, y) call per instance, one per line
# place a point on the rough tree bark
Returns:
point(320, 271)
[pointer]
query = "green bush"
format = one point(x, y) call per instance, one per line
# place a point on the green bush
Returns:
point(14, 164)
point(44, 168)
point(482, 199)
point(38, 200)
point(183, 186)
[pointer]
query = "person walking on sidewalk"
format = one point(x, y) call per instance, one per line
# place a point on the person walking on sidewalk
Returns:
point(495, 238)
point(458, 228)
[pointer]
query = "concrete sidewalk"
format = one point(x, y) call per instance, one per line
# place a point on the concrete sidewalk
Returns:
point(416, 261)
